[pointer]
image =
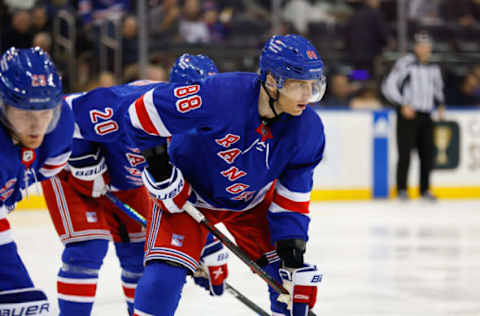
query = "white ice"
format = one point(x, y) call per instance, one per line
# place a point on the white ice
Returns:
point(378, 258)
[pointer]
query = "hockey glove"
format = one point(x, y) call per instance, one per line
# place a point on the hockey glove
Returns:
point(164, 181)
point(89, 175)
point(213, 270)
point(302, 284)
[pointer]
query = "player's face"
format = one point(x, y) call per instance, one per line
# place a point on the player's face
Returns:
point(29, 127)
point(423, 51)
point(295, 95)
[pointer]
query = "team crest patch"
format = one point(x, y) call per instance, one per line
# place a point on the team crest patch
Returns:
point(92, 217)
point(177, 240)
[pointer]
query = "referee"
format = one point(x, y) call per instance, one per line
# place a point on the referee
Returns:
point(415, 87)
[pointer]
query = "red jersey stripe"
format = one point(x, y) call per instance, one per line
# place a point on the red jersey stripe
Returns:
point(144, 118)
point(299, 207)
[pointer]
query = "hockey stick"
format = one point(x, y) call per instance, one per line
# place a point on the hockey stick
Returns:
point(200, 218)
point(129, 211)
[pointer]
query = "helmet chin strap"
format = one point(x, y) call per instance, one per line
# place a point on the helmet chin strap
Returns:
point(271, 100)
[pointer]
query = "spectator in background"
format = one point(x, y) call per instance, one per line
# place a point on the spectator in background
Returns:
point(367, 35)
point(40, 21)
point(156, 73)
point(476, 72)
point(339, 91)
point(104, 79)
point(164, 21)
point(465, 94)
point(424, 12)
point(218, 26)
point(129, 41)
point(14, 5)
point(300, 13)
point(297, 12)
point(415, 86)
point(465, 13)
point(193, 28)
point(94, 12)
point(366, 98)
point(44, 41)
point(18, 33)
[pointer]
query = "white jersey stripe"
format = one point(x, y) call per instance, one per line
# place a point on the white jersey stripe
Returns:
point(134, 117)
point(291, 195)
point(275, 208)
point(154, 116)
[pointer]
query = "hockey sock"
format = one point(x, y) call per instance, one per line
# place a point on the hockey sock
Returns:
point(159, 289)
point(13, 274)
point(276, 307)
point(77, 279)
point(131, 261)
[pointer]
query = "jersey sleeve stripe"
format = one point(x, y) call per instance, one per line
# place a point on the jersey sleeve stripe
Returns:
point(58, 160)
point(289, 205)
point(54, 165)
point(291, 195)
point(146, 117)
point(275, 208)
point(140, 119)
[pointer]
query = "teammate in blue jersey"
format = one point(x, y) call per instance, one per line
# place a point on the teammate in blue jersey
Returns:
point(243, 150)
point(35, 139)
point(102, 160)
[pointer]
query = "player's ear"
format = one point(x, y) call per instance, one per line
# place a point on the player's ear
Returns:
point(271, 83)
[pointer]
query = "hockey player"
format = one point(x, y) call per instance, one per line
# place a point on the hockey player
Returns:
point(104, 159)
point(189, 69)
point(35, 138)
point(243, 150)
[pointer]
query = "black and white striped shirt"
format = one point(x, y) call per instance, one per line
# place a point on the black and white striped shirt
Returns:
point(413, 83)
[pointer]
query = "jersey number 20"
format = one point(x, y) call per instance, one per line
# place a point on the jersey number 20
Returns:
point(106, 126)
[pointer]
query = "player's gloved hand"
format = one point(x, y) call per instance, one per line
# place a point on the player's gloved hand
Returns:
point(165, 182)
point(301, 283)
point(298, 278)
point(89, 175)
point(213, 270)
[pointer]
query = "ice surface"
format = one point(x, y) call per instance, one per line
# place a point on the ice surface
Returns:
point(378, 258)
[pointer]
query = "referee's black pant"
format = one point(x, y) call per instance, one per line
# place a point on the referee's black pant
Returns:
point(414, 133)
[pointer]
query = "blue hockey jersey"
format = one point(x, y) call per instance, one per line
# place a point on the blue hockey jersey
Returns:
point(99, 131)
point(227, 154)
point(49, 159)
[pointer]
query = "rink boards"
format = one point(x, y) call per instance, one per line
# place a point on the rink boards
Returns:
point(360, 158)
